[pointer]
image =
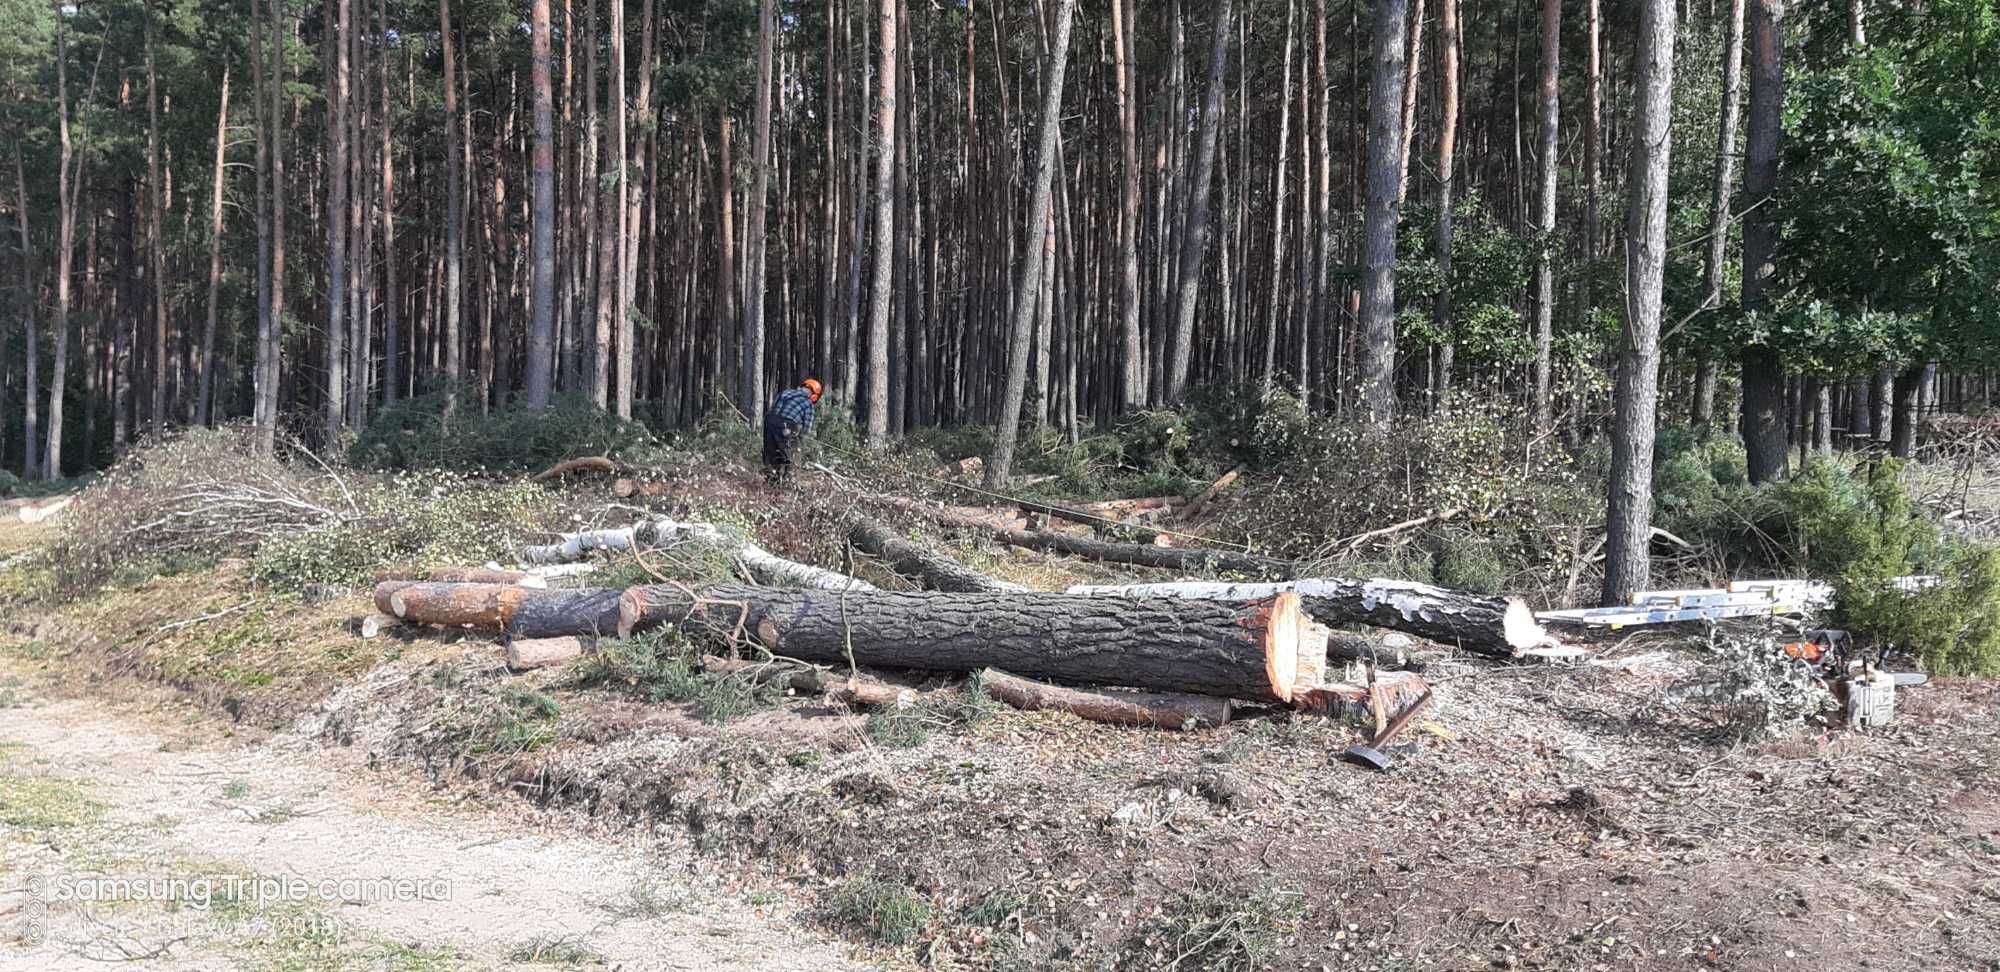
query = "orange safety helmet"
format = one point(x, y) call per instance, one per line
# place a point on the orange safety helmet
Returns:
point(813, 389)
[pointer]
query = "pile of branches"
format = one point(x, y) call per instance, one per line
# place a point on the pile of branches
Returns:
point(201, 494)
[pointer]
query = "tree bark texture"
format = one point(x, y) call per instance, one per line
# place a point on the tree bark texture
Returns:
point(1026, 289)
point(1377, 363)
point(919, 562)
point(509, 609)
point(1259, 651)
point(1498, 626)
point(1629, 509)
point(1764, 410)
point(1548, 109)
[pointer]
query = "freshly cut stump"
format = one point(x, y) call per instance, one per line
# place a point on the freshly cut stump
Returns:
point(1260, 651)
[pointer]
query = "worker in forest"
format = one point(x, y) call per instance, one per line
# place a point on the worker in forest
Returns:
point(785, 425)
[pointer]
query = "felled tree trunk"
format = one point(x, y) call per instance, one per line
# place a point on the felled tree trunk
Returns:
point(919, 562)
point(462, 575)
point(1185, 559)
point(1499, 626)
point(519, 612)
point(1164, 710)
point(1259, 650)
point(763, 564)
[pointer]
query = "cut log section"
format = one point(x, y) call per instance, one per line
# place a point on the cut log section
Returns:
point(1160, 709)
point(1345, 700)
point(519, 612)
point(1259, 651)
point(1195, 506)
point(524, 654)
point(1499, 626)
point(920, 562)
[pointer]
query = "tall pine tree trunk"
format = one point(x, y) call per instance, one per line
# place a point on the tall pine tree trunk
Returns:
point(1132, 391)
point(340, 21)
point(1718, 203)
point(542, 245)
point(1377, 365)
point(1025, 303)
point(156, 243)
point(1194, 240)
point(1764, 415)
point(1547, 101)
point(750, 380)
point(1629, 510)
point(1447, 164)
point(205, 364)
point(30, 427)
point(1278, 173)
point(881, 286)
point(454, 219)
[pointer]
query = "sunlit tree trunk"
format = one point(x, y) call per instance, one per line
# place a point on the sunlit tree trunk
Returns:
point(205, 364)
point(1547, 101)
point(340, 22)
point(1377, 364)
point(750, 380)
point(1194, 239)
point(1278, 173)
point(542, 243)
point(880, 287)
point(1629, 510)
point(1447, 166)
point(1025, 304)
point(30, 427)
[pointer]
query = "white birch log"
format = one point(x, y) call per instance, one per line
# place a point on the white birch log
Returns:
point(1499, 626)
point(767, 567)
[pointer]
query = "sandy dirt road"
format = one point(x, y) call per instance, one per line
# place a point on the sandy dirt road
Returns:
point(276, 855)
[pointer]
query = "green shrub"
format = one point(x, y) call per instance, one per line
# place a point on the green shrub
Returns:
point(1858, 528)
point(415, 434)
point(1468, 562)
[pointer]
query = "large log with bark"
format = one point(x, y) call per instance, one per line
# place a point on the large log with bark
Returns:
point(1166, 710)
point(519, 612)
point(1499, 626)
point(1257, 650)
point(920, 562)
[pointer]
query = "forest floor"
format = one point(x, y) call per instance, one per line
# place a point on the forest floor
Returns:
point(1557, 817)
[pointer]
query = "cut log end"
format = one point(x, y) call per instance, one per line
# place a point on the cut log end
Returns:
point(1284, 638)
point(1520, 629)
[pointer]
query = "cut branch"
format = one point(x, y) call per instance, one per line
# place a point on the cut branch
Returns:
point(1164, 710)
point(597, 464)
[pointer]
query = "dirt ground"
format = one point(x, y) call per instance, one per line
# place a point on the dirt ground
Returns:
point(100, 790)
point(1550, 817)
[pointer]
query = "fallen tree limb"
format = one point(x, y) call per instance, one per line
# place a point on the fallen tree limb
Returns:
point(1498, 626)
point(462, 575)
point(1358, 539)
point(1196, 505)
point(919, 562)
point(583, 464)
point(763, 564)
point(1261, 651)
point(1164, 710)
point(851, 689)
point(1185, 559)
